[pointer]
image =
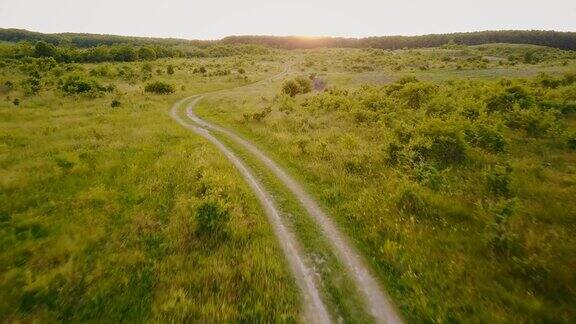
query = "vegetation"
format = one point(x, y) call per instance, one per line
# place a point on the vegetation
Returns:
point(111, 214)
point(456, 186)
point(159, 87)
point(451, 168)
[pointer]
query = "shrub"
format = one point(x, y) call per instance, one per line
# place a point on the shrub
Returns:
point(502, 239)
point(429, 176)
point(290, 87)
point(304, 84)
point(77, 85)
point(448, 148)
point(170, 69)
point(115, 103)
point(498, 180)
point(299, 85)
point(159, 87)
point(415, 94)
point(393, 153)
point(412, 203)
point(499, 103)
point(520, 96)
point(258, 116)
point(572, 142)
point(535, 122)
point(212, 219)
point(487, 138)
point(441, 145)
point(31, 85)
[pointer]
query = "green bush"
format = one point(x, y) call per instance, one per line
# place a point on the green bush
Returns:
point(572, 142)
point(212, 219)
point(416, 94)
point(298, 85)
point(159, 87)
point(412, 203)
point(501, 238)
point(304, 84)
point(31, 85)
point(498, 180)
point(499, 103)
point(487, 138)
point(290, 87)
point(77, 84)
point(536, 122)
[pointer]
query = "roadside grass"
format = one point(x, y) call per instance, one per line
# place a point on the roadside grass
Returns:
point(99, 212)
point(466, 241)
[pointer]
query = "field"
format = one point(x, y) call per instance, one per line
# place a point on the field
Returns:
point(452, 170)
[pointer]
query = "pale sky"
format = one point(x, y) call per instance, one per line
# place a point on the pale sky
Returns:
point(212, 19)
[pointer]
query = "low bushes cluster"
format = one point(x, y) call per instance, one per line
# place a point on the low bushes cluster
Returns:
point(298, 85)
point(159, 87)
point(77, 84)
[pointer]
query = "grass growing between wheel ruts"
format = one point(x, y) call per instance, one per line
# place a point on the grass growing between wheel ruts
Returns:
point(105, 211)
point(457, 192)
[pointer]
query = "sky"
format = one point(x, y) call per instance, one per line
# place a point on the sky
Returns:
point(214, 19)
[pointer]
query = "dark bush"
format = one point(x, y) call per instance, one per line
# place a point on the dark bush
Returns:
point(487, 138)
point(159, 87)
point(304, 84)
point(502, 239)
point(299, 85)
point(115, 103)
point(31, 85)
point(290, 87)
point(43, 49)
point(412, 203)
point(77, 84)
point(444, 146)
point(498, 180)
point(415, 94)
point(500, 103)
point(212, 219)
point(572, 142)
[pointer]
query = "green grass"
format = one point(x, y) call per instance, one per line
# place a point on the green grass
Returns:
point(99, 205)
point(431, 229)
point(98, 212)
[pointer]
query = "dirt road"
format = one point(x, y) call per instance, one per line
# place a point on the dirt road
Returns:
point(375, 299)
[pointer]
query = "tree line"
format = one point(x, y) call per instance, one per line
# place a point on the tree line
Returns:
point(69, 47)
point(561, 40)
point(120, 52)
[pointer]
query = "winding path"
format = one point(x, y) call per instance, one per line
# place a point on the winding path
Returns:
point(375, 299)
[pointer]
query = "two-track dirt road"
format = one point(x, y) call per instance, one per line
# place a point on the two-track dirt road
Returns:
point(374, 298)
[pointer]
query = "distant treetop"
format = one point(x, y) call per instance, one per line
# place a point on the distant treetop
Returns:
point(561, 40)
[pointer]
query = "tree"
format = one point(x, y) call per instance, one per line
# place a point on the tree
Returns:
point(146, 53)
point(124, 53)
point(43, 49)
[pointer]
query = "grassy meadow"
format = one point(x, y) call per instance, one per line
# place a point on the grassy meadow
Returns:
point(103, 197)
point(452, 169)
